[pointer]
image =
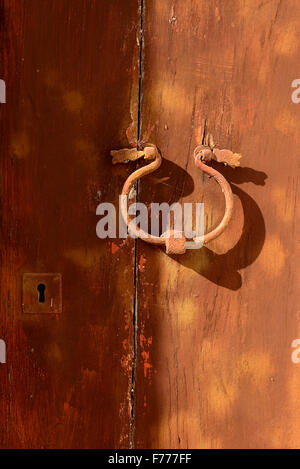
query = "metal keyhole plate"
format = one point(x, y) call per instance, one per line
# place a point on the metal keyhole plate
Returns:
point(42, 293)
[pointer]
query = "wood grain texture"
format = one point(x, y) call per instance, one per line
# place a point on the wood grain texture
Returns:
point(70, 70)
point(216, 326)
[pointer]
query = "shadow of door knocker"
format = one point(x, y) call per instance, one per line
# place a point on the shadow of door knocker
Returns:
point(175, 241)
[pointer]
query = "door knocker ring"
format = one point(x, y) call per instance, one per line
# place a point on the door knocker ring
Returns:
point(176, 242)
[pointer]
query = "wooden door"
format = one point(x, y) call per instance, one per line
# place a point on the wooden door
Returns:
point(70, 69)
point(148, 350)
point(215, 327)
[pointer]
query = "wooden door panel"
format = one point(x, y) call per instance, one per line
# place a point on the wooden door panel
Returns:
point(216, 326)
point(69, 69)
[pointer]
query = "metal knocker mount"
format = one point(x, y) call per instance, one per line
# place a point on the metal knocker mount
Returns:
point(174, 241)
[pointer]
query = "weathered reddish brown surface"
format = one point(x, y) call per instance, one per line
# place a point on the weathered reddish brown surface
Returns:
point(70, 70)
point(216, 326)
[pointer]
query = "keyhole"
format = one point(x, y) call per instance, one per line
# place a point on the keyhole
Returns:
point(41, 289)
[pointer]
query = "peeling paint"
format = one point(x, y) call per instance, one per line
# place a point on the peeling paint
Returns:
point(142, 263)
point(114, 248)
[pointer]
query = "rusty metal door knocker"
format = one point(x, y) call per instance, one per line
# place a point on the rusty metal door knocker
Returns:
point(176, 242)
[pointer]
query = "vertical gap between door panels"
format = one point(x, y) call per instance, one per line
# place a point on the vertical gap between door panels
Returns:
point(136, 271)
